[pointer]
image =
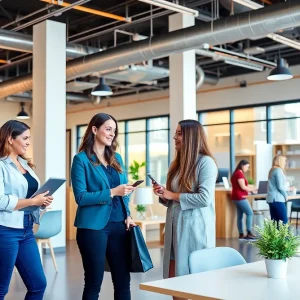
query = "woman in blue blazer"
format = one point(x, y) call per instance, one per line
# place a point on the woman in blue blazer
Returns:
point(103, 217)
point(18, 212)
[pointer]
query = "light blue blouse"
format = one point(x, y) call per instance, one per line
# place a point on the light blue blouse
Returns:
point(14, 186)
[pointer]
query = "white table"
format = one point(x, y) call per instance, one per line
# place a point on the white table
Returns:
point(244, 282)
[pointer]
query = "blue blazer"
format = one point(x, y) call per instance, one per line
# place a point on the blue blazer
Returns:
point(92, 192)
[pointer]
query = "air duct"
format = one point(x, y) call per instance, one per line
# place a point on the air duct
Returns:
point(234, 28)
point(16, 41)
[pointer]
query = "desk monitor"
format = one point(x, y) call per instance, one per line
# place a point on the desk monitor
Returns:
point(262, 187)
point(222, 172)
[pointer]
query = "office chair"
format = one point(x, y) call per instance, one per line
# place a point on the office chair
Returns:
point(50, 226)
point(214, 258)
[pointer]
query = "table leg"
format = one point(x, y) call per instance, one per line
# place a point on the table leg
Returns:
point(162, 233)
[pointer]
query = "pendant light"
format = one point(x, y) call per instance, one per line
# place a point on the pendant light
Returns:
point(22, 115)
point(280, 72)
point(102, 89)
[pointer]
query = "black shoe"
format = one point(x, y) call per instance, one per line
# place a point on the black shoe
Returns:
point(241, 236)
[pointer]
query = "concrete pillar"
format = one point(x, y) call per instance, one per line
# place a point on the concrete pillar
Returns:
point(49, 110)
point(182, 90)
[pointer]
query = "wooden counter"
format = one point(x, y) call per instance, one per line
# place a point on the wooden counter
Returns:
point(226, 226)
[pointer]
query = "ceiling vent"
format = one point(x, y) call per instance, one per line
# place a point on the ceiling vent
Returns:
point(76, 86)
point(136, 73)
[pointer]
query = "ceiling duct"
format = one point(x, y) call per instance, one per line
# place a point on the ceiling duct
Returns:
point(234, 28)
point(16, 41)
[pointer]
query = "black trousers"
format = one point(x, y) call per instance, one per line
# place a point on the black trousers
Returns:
point(95, 245)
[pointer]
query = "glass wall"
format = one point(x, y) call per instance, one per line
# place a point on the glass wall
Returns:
point(143, 140)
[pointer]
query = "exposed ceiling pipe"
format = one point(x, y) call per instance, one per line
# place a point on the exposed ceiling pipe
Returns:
point(234, 28)
point(22, 42)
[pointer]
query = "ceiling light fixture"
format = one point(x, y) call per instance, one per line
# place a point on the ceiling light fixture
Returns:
point(281, 72)
point(22, 115)
point(101, 89)
point(249, 3)
point(172, 6)
point(244, 64)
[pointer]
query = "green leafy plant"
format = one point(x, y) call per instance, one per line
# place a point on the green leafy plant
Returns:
point(250, 180)
point(140, 208)
point(276, 241)
point(134, 169)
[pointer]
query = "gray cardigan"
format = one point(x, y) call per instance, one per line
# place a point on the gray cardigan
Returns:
point(190, 224)
point(276, 186)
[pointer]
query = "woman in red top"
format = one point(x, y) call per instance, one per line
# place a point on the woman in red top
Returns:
point(240, 191)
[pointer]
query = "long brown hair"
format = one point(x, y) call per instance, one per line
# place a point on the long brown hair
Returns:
point(184, 165)
point(88, 142)
point(13, 129)
point(278, 163)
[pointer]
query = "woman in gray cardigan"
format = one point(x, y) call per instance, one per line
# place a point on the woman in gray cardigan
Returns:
point(190, 198)
point(277, 195)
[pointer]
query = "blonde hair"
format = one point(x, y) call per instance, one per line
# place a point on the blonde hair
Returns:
point(278, 162)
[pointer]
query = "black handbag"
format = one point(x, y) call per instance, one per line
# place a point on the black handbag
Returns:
point(140, 260)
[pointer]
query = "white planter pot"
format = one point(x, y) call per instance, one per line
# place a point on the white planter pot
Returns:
point(276, 268)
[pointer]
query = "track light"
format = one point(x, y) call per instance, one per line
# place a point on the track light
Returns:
point(281, 72)
point(101, 89)
point(22, 115)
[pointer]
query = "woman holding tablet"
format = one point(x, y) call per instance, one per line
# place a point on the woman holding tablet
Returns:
point(102, 194)
point(18, 182)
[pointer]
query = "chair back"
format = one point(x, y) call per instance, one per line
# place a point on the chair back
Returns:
point(295, 205)
point(214, 258)
point(50, 224)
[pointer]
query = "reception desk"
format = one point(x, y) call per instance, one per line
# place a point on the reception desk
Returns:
point(225, 215)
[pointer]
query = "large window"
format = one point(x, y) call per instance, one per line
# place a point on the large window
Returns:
point(233, 133)
point(143, 140)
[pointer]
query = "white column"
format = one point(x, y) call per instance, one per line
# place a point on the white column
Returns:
point(182, 91)
point(49, 110)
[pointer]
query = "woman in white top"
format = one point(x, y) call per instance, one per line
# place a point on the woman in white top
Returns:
point(18, 212)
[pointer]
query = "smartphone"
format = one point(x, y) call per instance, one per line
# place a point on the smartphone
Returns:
point(137, 183)
point(152, 179)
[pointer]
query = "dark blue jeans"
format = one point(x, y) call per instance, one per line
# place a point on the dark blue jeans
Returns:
point(278, 211)
point(18, 248)
point(95, 245)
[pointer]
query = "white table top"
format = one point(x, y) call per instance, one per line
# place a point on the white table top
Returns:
point(247, 282)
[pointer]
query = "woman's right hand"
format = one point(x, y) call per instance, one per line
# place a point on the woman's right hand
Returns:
point(42, 199)
point(122, 190)
point(158, 190)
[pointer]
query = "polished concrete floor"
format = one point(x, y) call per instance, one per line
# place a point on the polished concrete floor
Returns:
point(67, 284)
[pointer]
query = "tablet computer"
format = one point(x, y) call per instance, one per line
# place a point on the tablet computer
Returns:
point(51, 185)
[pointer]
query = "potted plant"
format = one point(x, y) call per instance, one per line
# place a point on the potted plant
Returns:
point(134, 170)
point(276, 243)
point(141, 211)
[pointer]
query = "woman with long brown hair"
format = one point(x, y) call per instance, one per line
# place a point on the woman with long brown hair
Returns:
point(18, 212)
point(190, 198)
point(277, 195)
point(102, 195)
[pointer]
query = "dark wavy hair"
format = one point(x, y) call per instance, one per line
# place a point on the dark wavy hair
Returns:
point(87, 143)
point(242, 163)
point(13, 129)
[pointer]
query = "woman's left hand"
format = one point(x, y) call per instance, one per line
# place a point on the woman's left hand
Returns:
point(129, 223)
